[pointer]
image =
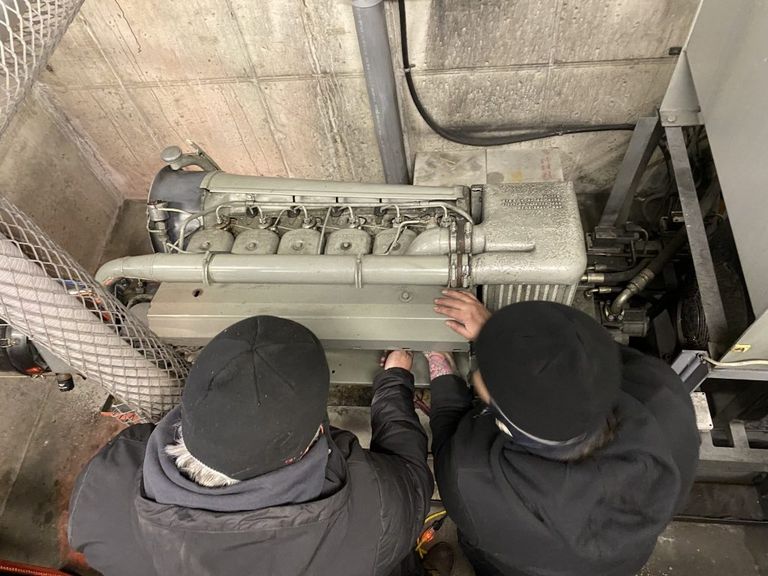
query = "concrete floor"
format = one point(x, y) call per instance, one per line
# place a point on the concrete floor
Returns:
point(46, 437)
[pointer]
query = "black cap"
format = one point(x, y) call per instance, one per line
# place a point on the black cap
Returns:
point(553, 371)
point(255, 397)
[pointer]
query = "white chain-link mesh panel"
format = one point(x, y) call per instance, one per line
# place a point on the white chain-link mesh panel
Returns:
point(29, 32)
point(51, 299)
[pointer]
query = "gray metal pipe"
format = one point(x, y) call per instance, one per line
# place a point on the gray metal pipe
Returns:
point(615, 277)
point(437, 241)
point(373, 39)
point(320, 190)
point(431, 242)
point(213, 268)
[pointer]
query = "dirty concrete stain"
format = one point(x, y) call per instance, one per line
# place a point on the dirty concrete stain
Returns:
point(592, 30)
point(478, 33)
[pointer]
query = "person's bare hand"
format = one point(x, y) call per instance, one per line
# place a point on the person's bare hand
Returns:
point(399, 359)
point(466, 313)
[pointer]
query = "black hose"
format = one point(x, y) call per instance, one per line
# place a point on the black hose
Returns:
point(658, 263)
point(624, 275)
point(649, 272)
point(138, 299)
point(468, 139)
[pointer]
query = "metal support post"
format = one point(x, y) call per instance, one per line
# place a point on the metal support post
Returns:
point(697, 239)
point(644, 139)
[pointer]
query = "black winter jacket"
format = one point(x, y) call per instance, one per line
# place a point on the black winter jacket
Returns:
point(367, 527)
point(521, 514)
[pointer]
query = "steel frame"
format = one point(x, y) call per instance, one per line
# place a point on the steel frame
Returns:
point(679, 109)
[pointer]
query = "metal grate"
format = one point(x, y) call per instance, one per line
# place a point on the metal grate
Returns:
point(51, 299)
point(29, 32)
point(496, 296)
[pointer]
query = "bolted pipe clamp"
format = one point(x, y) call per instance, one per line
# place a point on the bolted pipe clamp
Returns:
point(358, 271)
point(206, 268)
point(453, 271)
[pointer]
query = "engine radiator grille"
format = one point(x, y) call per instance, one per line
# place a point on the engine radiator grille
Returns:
point(499, 295)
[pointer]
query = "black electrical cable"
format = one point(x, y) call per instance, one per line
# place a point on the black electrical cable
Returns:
point(463, 137)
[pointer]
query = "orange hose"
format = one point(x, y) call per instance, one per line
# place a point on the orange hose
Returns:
point(27, 570)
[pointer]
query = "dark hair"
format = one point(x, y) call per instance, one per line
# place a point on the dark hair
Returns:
point(592, 443)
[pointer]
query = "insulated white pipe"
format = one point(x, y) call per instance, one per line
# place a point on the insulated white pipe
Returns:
point(40, 307)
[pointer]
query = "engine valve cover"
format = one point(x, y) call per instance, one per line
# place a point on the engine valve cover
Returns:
point(256, 242)
point(349, 241)
point(300, 241)
point(210, 240)
point(384, 240)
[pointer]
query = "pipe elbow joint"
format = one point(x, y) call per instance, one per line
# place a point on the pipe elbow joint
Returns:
point(433, 242)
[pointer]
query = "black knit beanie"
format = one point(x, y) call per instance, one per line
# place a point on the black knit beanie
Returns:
point(255, 397)
point(553, 371)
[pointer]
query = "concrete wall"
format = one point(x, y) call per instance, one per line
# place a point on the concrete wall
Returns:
point(275, 87)
point(49, 174)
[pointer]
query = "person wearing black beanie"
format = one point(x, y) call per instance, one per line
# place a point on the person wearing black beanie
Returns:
point(576, 451)
point(246, 476)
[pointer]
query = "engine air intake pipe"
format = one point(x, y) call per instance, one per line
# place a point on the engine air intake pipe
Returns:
point(449, 270)
point(212, 268)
